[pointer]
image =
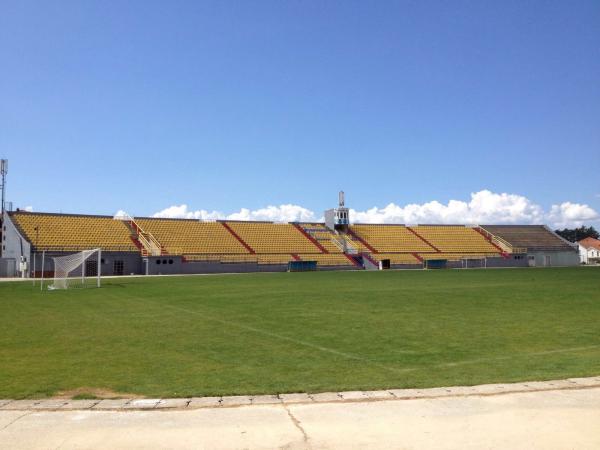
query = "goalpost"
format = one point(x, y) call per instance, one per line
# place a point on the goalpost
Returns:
point(482, 262)
point(72, 270)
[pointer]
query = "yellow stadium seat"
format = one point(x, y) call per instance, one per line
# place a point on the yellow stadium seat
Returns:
point(456, 239)
point(271, 238)
point(185, 236)
point(58, 232)
point(390, 238)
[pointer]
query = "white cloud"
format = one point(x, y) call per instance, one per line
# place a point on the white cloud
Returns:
point(484, 207)
point(120, 215)
point(282, 213)
point(28, 208)
point(569, 214)
point(182, 212)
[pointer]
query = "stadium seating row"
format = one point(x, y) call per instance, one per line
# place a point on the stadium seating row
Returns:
point(241, 258)
point(455, 239)
point(390, 238)
point(424, 238)
point(323, 235)
point(265, 237)
point(327, 239)
point(396, 258)
point(322, 259)
point(192, 236)
point(535, 237)
point(261, 242)
point(455, 256)
point(57, 231)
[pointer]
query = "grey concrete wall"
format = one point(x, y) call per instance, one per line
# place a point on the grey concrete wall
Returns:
point(13, 244)
point(329, 268)
point(132, 263)
point(554, 259)
point(174, 266)
point(406, 266)
point(8, 267)
point(489, 263)
point(474, 263)
point(513, 261)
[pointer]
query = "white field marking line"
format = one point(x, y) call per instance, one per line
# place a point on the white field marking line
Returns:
point(403, 370)
point(360, 358)
point(287, 338)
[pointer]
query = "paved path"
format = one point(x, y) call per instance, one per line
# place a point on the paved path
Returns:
point(560, 415)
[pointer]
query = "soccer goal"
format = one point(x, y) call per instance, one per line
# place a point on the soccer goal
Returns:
point(474, 262)
point(77, 270)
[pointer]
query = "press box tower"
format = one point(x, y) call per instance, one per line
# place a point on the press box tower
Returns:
point(338, 218)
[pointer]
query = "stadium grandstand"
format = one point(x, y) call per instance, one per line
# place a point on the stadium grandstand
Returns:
point(151, 246)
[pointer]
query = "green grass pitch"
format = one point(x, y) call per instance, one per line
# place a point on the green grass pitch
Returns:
point(300, 332)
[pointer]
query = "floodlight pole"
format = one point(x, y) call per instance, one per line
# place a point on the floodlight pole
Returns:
point(82, 268)
point(3, 172)
point(33, 269)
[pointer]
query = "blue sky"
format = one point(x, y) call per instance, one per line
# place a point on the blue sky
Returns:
point(227, 105)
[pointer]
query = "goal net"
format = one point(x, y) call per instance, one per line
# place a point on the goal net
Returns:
point(77, 270)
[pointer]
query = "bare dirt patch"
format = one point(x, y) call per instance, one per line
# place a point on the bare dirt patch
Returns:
point(93, 393)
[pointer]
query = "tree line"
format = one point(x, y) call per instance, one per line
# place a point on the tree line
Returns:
point(577, 234)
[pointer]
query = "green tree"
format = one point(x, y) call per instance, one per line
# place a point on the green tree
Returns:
point(577, 234)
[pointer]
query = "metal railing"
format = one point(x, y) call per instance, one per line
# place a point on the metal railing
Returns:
point(150, 245)
point(502, 243)
point(79, 248)
point(149, 242)
point(343, 244)
point(507, 246)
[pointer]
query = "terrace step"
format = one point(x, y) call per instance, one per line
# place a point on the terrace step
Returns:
point(310, 238)
point(235, 235)
point(423, 239)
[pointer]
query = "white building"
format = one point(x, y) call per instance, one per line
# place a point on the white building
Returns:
point(589, 250)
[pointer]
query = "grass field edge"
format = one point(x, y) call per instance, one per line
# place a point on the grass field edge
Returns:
point(190, 403)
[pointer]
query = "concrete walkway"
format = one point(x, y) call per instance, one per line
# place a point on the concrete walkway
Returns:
point(550, 415)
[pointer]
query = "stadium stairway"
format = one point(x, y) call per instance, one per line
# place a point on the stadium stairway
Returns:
point(369, 263)
point(235, 235)
point(146, 242)
point(354, 259)
point(423, 239)
point(416, 255)
point(310, 238)
point(356, 237)
point(346, 243)
point(488, 236)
